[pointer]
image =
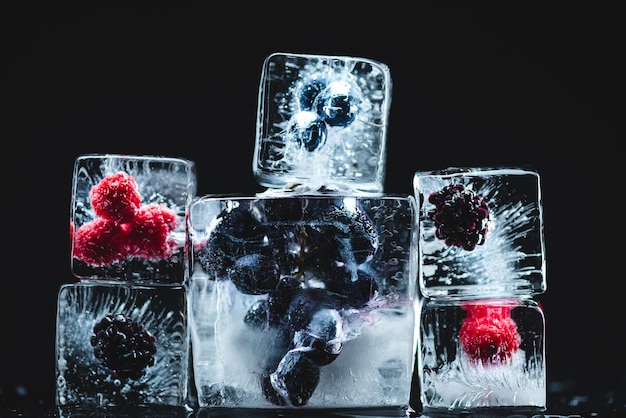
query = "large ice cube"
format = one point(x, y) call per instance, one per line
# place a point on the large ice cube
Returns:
point(481, 232)
point(303, 301)
point(322, 121)
point(481, 353)
point(136, 356)
point(128, 217)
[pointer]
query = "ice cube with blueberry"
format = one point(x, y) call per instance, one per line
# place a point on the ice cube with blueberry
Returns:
point(127, 219)
point(121, 345)
point(303, 301)
point(481, 231)
point(322, 121)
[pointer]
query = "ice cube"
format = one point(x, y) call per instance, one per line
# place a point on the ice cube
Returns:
point(322, 122)
point(127, 217)
point(333, 291)
point(481, 353)
point(481, 232)
point(120, 345)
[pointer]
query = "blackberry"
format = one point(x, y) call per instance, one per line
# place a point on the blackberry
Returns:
point(123, 346)
point(461, 216)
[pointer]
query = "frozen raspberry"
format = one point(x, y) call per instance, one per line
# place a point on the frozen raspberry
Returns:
point(123, 346)
point(488, 334)
point(461, 216)
point(99, 242)
point(148, 235)
point(116, 197)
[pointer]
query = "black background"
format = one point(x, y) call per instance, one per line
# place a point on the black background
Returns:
point(474, 84)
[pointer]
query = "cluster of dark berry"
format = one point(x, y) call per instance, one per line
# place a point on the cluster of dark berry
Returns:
point(124, 227)
point(322, 103)
point(488, 334)
point(123, 346)
point(461, 217)
point(304, 255)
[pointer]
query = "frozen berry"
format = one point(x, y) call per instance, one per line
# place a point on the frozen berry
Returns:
point(321, 339)
point(149, 232)
point(488, 334)
point(295, 378)
point(461, 216)
point(308, 89)
point(123, 346)
point(116, 197)
point(100, 242)
point(255, 274)
point(338, 104)
point(307, 130)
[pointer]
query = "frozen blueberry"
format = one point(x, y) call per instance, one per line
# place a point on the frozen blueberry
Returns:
point(307, 130)
point(308, 89)
point(338, 104)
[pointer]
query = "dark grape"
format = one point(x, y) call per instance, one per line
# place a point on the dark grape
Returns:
point(295, 378)
point(324, 327)
point(123, 346)
point(254, 274)
point(237, 233)
point(357, 287)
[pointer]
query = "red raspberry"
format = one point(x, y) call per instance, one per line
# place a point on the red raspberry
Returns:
point(488, 334)
point(116, 197)
point(99, 242)
point(149, 232)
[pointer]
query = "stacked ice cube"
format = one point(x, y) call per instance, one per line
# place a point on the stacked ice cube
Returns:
point(122, 331)
point(482, 262)
point(305, 295)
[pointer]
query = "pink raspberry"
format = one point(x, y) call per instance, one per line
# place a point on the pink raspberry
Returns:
point(149, 232)
point(488, 334)
point(116, 197)
point(99, 242)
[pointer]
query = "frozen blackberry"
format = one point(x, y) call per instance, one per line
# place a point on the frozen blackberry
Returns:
point(461, 217)
point(123, 346)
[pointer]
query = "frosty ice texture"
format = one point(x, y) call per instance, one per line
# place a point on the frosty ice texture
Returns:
point(322, 121)
point(481, 232)
point(84, 379)
point(494, 358)
point(303, 301)
point(164, 188)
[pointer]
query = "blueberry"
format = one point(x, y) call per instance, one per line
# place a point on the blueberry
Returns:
point(308, 89)
point(307, 130)
point(338, 104)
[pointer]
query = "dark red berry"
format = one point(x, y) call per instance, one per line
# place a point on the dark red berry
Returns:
point(461, 216)
point(123, 346)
